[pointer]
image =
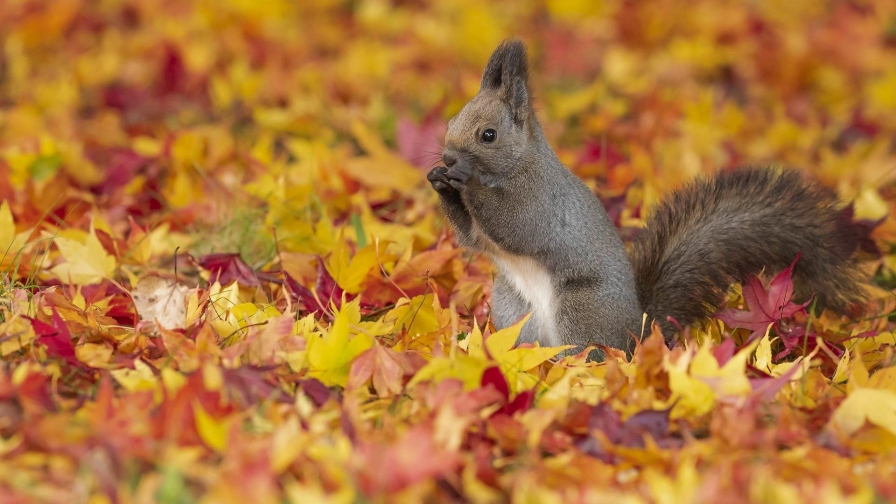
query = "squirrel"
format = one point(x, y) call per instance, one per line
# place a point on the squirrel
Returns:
point(558, 255)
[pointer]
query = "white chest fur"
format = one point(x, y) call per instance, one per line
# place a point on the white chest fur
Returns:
point(533, 283)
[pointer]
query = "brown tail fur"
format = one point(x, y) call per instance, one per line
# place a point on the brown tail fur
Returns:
point(717, 231)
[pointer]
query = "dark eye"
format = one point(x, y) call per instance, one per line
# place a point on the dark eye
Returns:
point(489, 136)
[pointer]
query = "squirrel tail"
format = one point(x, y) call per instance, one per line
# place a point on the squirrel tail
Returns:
point(718, 231)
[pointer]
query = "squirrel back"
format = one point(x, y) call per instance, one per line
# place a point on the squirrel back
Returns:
point(559, 257)
point(718, 231)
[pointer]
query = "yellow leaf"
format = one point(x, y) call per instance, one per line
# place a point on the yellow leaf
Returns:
point(137, 379)
point(462, 367)
point(560, 393)
point(879, 91)
point(418, 315)
point(10, 242)
point(17, 333)
point(696, 381)
point(503, 340)
point(472, 344)
point(513, 362)
point(841, 373)
point(381, 168)
point(330, 355)
point(763, 357)
point(85, 263)
point(870, 205)
point(172, 380)
point(350, 274)
point(575, 10)
point(858, 375)
point(95, 355)
point(147, 146)
point(884, 379)
point(876, 406)
point(731, 378)
point(690, 396)
point(182, 190)
point(212, 431)
point(528, 358)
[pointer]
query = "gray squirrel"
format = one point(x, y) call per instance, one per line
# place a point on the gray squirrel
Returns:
point(558, 255)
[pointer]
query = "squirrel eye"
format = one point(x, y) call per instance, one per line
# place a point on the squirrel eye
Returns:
point(489, 136)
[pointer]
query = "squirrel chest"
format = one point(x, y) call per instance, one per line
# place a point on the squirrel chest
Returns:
point(533, 284)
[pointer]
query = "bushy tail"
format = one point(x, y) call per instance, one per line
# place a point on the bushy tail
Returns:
point(720, 230)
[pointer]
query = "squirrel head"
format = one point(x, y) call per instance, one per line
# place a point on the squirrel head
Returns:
point(493, 132)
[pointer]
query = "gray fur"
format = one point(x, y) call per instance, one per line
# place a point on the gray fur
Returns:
point(515, 197)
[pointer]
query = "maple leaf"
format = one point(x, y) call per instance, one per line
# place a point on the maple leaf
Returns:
point(56, 338)
point(132, 141)
point(326, 291)
point(463, 367)
point(521, 402)
point(229, 268)
point(696, 380)
point(418, 316)
point(86, 262)
point(330, 355)
point(382, 366)
point(876, 406)
point(514, 362)
point(766, 307)
point(350, 274)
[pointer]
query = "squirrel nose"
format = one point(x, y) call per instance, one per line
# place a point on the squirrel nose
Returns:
point(449, 159)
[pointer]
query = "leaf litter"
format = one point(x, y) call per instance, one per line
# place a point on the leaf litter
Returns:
point(224, 278)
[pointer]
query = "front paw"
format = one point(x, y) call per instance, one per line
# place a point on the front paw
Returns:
point(438, 177)
point(459, 174)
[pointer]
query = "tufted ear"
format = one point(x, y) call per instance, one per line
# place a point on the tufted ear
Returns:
point(507, 72)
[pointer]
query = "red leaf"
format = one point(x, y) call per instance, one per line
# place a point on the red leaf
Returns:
point(317, 391)
point(600, 152)
point(301, 293)
point(226, 268)
point(419, 144)
point(326, 285)
point(765, 307)
point(173, 72)
point(724, 352)
point(493, 376)
point(326, 288)
point(56, 339)
point(522, 402)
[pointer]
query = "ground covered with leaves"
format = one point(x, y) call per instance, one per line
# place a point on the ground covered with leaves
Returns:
point(225, 278)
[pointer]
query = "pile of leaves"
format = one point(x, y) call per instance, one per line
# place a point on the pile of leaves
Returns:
point(224, 278)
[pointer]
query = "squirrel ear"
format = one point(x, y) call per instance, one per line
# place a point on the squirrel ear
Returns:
point(507, 72)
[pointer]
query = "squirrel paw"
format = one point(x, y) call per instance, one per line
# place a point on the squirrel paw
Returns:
point(438, 177)
point(458, 175)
